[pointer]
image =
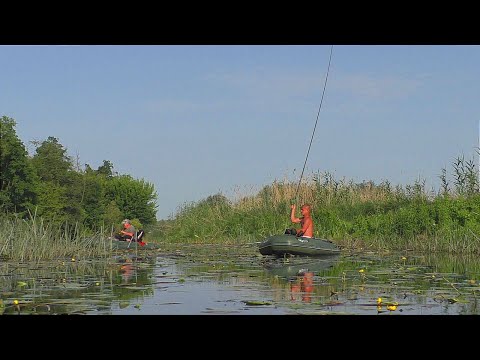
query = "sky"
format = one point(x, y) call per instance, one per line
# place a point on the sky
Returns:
point(197, 120)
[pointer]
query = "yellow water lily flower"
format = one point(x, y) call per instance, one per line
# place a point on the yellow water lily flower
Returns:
point(379, 300)
point(392, 307)
point(15, 302)
point(361, 271)
point(404, 258)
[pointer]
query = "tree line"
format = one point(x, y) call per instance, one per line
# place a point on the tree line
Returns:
point(48, 184)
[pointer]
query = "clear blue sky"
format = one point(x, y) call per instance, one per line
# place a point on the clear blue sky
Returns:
point(233, 118)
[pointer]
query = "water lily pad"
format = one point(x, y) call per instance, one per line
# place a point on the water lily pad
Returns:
point(256, 303)
point(123, 304)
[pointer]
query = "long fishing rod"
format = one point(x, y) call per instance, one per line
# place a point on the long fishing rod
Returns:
point(316, 121)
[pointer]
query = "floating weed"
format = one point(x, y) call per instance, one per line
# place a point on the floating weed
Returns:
point(137, 288)
point(457, 300)
point(256, 303)
point(412, 269)
point(219, 311)
point(123, 304)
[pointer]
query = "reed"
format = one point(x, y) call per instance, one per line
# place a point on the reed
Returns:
point(355, 215)
point(35, 240)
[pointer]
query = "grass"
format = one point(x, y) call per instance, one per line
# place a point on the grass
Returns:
point(35, 240)
point(357, 216)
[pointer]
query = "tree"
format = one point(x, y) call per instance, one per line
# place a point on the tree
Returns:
point(135, 198)
point(18, 181)
point(93, 199)
point(106, 169)
point(113, 215)
point(60, 196)
point(52, 162)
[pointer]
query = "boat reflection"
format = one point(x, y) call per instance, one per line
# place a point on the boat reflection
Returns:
point(301, 275)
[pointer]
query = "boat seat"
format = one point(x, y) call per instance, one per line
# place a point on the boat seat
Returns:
point(140, 235)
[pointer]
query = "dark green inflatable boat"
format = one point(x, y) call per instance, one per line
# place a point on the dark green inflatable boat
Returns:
point(290, 244)
point(301, 265)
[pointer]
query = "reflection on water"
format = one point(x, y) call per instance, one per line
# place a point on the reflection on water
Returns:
point(302, 275)
point(240, 281)
point(302, 287)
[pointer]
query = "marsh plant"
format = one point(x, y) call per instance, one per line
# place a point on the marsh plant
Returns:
point(35, 240)
point(354, 215)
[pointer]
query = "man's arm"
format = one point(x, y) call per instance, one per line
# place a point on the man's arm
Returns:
point(293, 218)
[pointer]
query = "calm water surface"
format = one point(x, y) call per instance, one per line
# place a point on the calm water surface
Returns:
point(194, 280)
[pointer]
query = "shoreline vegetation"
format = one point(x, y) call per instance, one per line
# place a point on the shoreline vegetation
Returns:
point(75, 210)
point(355, 216)
point(365, 216)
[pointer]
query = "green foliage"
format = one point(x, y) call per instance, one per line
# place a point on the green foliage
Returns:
point(61, 189)
point(106, 169)
point(113, 216)
point(18, 180)
point(136, 198)
point(52, 199)
point(92, 199)
point(136, 223)
point(365, 214)
point(466, 177)
point(33, 239)
point(50, 186)
point(52, 162)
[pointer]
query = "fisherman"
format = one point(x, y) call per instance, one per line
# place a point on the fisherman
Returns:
point(305, 221)
point(128, 232)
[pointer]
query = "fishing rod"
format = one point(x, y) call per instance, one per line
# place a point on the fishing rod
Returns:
point(315, 127)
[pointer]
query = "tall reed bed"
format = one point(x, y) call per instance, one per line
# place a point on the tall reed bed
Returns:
point(35, 240)
point(355, 215)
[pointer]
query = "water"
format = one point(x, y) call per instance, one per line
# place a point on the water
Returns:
point(215, 281)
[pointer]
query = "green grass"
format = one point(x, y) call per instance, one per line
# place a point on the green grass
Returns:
point(357, 216)
point(35, 240)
